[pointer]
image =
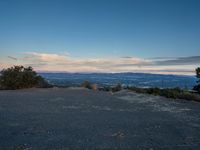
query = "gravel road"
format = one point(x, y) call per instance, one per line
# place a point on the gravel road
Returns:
point(81, 119)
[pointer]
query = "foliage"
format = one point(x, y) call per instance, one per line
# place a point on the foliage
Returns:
point(19, 77)
point(86, 84)
point(198, 72)
point(105, 88)
point(175, 93)
point(117, 88)
point(95, 87)
point(190, 96)
point(197, 87)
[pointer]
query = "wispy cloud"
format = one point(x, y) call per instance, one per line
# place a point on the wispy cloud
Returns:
point(12, 58)
point(64, 62)
point(192, 60)
point(44, 57)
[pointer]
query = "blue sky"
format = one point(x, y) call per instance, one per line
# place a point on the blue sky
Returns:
point(117, 32)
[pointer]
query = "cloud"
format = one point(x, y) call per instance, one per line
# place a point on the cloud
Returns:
point(105, 62)
point(192, 60)
point(127, 57)
point(66, 63)
point(161, 58)
point(56, 62)
point(12, 58)
point(44, 57)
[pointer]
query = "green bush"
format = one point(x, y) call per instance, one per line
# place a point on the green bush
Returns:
point(105, 88)
point(117, 88)
point(154, 91)
point(189, 96)
point(171, 93)
point(136, 89)
point(86, 84)
point(197, 88)
point(19, 77)
point(175, 93)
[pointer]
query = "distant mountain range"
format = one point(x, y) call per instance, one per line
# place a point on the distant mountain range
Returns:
point(131, 79)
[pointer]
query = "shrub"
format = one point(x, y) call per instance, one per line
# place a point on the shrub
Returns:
point(117, 88)
point(189, 96)
point(197, 88)
point(95, 87)
point(136, 89)
point(155, 91)
point(105, 88)
point(175, 93)
point(43, 84)
point(19, 77)
point(86, 84)
point(171, 93)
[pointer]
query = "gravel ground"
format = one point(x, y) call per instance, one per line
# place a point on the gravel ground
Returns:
point(80, 119)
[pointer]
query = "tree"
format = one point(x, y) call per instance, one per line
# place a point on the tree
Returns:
point(19, 77)
point(197, 87)
point(198, 72)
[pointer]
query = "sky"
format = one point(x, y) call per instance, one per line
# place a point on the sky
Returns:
point(151, 36)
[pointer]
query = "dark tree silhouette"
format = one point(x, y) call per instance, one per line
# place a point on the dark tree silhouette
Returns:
point(197, 87)
point(19, 77)
point(198, 72)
